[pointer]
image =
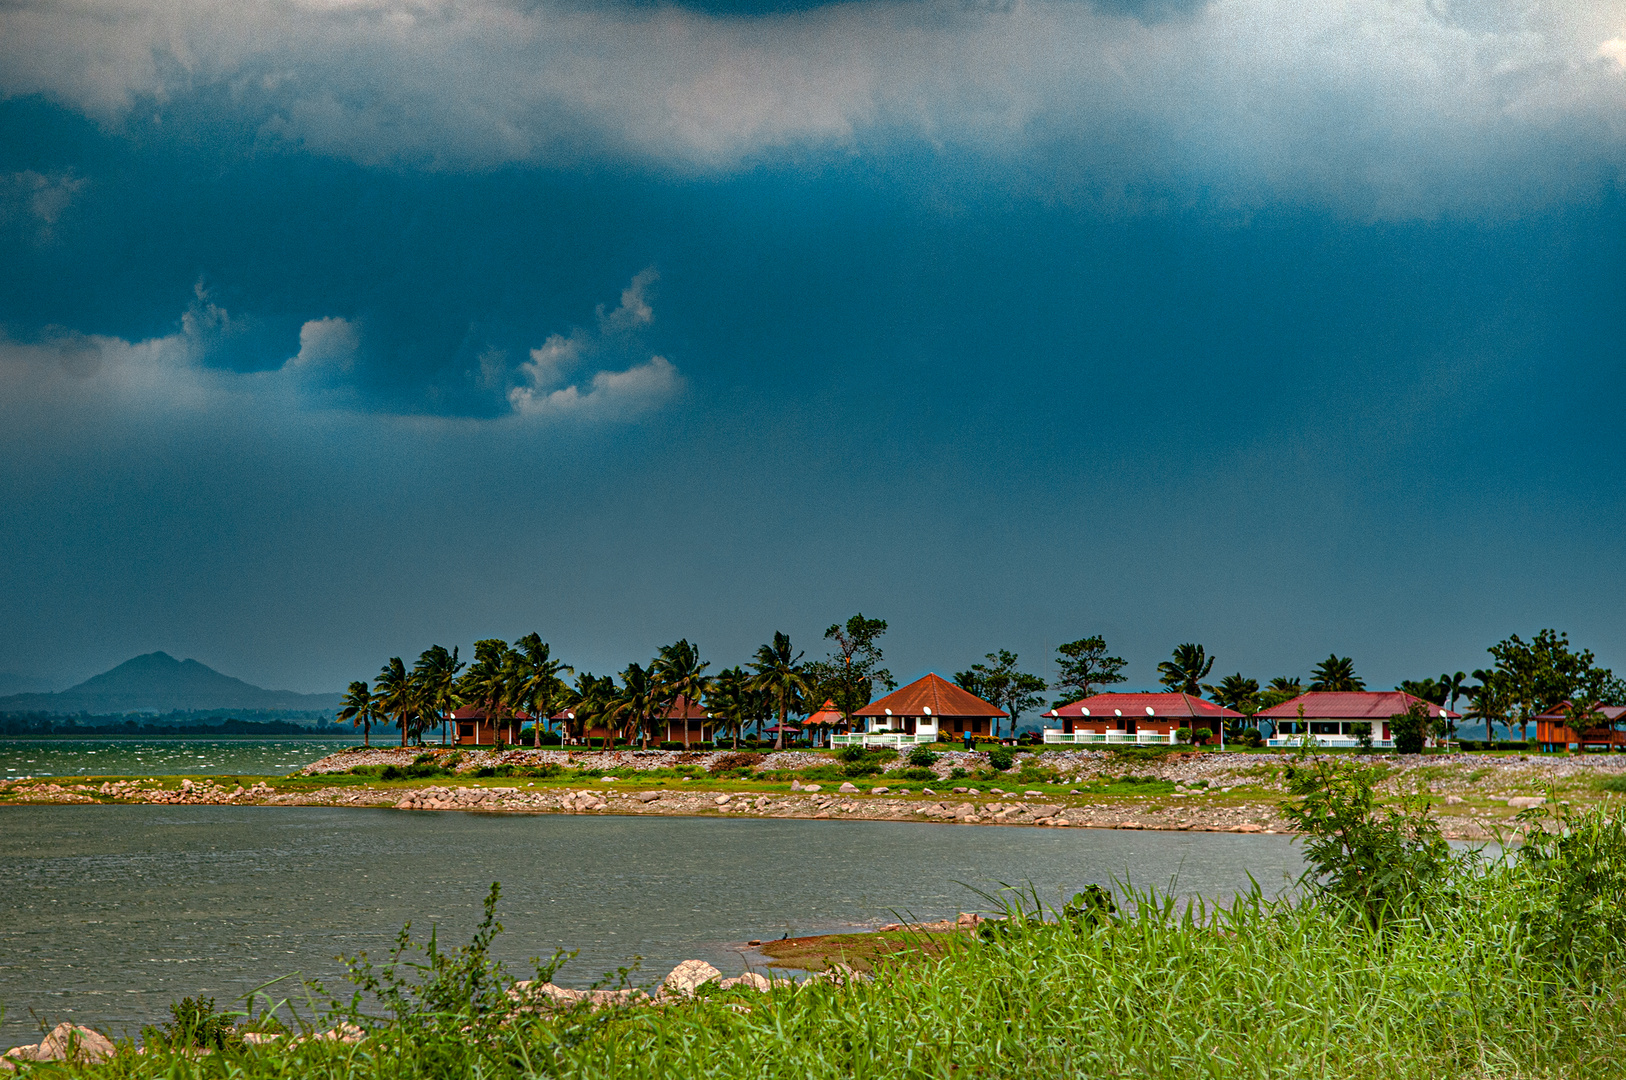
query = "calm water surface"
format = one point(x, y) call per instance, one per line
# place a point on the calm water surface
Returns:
point(112, 912)
point(162, 757)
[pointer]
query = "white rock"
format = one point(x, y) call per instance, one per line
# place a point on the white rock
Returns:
point(688, 977)
point(722, 800)
point(848, 789)
point(749, 981)
point(1453, 800)
point(66, 1042)
point(811, 787)
point(647, 796)
point(795, 785)
point(879, 790)
point(1525, 802)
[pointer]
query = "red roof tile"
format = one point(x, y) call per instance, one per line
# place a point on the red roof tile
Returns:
point(683, 709)
point(1161, 704)
point(1350, 705)
point(1561, 711)
point(933, 692)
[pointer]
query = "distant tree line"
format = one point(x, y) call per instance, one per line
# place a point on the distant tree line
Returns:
point(505, 681)
point(41, 724)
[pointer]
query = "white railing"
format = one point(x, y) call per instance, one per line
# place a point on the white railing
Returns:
point(892, 739)
point(1053, 737)
point(1329, 742)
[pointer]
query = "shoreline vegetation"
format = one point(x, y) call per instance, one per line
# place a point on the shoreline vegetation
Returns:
point(1476, 797)
point(1397, 957)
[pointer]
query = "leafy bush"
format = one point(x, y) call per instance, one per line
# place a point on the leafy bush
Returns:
point(194, 1024)
point(1363, 734)
point(1377, 863)
point(957, 773)
point(1002, 757)
point(861, 768)
point(922, 757)
point(852, 752)
point(463, 992)
point(391, 772)
point(1614, 783)
point(486, 770)
point(1408, 728)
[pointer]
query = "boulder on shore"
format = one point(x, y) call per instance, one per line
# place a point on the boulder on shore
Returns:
point(66, 1042)
point(688, 977)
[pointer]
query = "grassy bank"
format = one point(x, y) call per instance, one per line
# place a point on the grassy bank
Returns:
point(1399, 959)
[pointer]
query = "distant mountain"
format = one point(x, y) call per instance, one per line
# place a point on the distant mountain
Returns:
point(159, 681)
point(13, 683)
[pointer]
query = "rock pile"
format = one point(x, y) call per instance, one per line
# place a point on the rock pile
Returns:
point(66, 1042)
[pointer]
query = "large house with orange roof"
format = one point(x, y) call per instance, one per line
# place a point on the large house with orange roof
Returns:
point(1134, 718)
point(1331, 718)
point(920, 712)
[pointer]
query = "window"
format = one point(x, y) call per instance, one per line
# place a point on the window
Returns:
point(1324, 727)
point(465, 731)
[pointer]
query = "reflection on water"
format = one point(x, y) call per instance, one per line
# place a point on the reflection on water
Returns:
point(161, 757)
point(115, 911)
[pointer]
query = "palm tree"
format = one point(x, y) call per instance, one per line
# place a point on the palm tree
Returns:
point(633, 706)
point(435, 674)
point(1237, 692)
point(392, 693)
point(730, 699)
point(1336, 673)
point(1186, 671)
point(780, 675)
point(491, 680)
point(1454, 688)
point(678, 672)
point(586, 702)
point(1489, 701)
point(539, 682)
point(360, 709)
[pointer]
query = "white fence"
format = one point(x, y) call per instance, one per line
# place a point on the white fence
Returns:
point(893, 739)
point(1054, 736)
point(1329, 742)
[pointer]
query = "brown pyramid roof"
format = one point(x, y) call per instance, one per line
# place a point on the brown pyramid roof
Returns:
point(934, 691)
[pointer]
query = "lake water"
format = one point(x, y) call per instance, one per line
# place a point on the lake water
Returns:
point(162, 757)
point(112, 912)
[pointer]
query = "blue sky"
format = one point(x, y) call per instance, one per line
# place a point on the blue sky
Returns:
point(333, 328)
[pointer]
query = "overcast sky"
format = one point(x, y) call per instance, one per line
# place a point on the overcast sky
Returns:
point(331, 329)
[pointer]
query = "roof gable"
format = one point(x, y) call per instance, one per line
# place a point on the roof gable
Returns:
point(1351, 705)
point(930, 695)
point(1132, 705)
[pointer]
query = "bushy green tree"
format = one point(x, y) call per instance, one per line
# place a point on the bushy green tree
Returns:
point(1336, 673)
point(1083, 666)
point(1000, 683)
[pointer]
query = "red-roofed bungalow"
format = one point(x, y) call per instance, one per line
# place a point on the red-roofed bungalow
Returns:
point(472, 727)
point(685, 722)
point(1329, 716)
point(1134, 718)
point(1553, 729)
point(917, 713)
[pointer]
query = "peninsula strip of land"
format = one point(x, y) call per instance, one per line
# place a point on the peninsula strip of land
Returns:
point(1474, 795)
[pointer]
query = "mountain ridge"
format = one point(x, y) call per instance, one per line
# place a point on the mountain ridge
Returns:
point(158, 681)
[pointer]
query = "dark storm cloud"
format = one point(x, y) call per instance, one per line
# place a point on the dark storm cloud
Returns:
point(335, 329)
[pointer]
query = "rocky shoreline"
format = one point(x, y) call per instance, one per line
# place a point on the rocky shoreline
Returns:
point(1475, 796)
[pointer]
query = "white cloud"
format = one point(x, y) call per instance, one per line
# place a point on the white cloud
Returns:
point(326, 345)
point(1614, 49)
point(612, 395)
point(634, 310)
point(1417, 102)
